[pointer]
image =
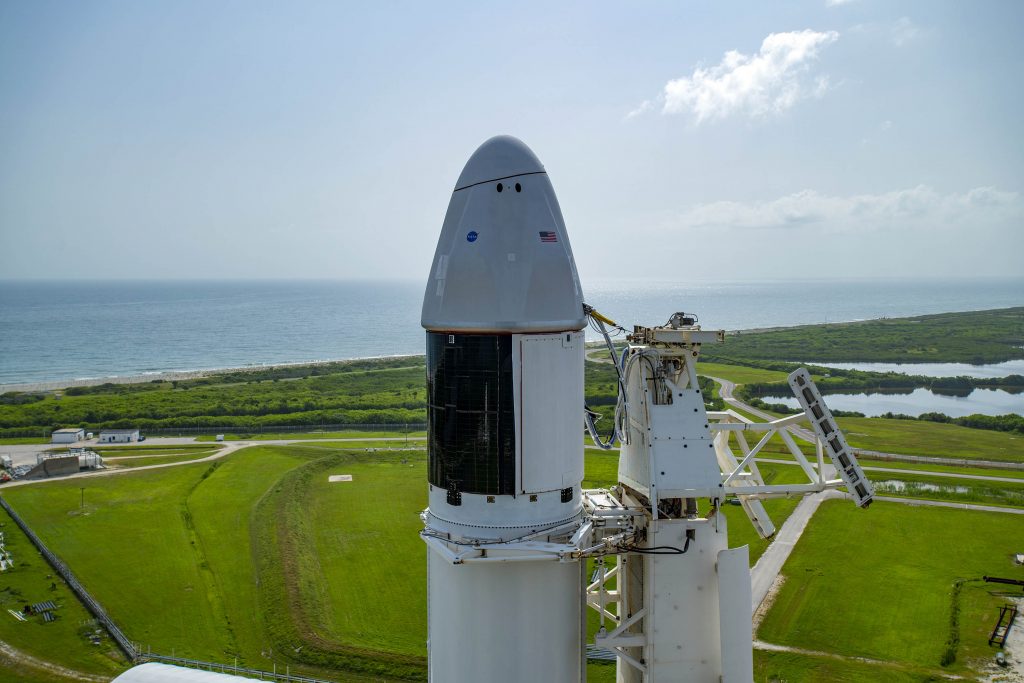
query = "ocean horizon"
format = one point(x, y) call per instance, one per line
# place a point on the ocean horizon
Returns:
point(63, 330)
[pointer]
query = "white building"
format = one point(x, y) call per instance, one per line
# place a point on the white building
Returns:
point(119, 435)
point(68, 435)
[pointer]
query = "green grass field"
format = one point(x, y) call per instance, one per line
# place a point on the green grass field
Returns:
point(312, 435)
point(739, 374)
point(24, 440)
point(878, 583)
point(790, 667)
point(911, 437)
point(117, 458)
point(31, 581)
point(257, 556)
point(148, 460)
point(981, 471)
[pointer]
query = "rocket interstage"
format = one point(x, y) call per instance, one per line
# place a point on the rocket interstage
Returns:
point(503, 311)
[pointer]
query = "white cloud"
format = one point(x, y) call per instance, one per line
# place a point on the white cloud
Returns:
point(899, 33)
point(769, 82)
point(914, 208)
point(903, 31)
point(837, 3)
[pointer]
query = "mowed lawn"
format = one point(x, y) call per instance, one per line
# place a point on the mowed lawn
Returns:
point(739, 374)
point(131, 548)
point(913, 437)
point(31, 581)
point(372, 562)
point(877, 583)
point(221, 512)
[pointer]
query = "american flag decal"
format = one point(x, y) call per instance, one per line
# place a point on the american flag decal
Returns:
point(547, 236)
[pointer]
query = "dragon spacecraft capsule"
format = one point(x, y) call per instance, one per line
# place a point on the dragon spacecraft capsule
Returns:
point(503, 313)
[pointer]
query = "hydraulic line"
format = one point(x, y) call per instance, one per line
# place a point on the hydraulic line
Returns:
point(598, 322)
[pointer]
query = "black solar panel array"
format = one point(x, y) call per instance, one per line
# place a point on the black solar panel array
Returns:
point(470, 414)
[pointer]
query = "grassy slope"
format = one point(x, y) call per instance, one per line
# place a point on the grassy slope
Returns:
point(221, 509)
point(877, 583)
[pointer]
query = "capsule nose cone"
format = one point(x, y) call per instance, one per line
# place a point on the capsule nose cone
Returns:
point(502, 156)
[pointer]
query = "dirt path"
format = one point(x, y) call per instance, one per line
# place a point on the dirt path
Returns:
point(771, 647)
point(19, 660)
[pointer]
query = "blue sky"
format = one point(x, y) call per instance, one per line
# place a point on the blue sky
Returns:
point(686, 141)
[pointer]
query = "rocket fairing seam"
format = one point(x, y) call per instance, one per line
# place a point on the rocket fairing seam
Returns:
point(549, 525)
point(494, 180)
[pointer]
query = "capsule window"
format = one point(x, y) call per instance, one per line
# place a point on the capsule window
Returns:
point(519, 188)
point(500, 187)
point(818, 414)
point(808, 396)
point(826, 427)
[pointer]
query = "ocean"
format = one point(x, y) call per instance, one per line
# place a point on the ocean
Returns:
point(73, 330)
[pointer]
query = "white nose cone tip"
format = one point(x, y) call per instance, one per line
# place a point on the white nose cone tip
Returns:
point(503, 261)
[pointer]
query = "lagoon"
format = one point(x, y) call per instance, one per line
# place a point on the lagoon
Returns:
point(919, 401)
point(1005, 369)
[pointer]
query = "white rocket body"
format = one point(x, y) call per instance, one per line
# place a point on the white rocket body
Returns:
point(503, 310)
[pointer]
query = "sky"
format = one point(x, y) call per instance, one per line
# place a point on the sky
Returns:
point(686, 141)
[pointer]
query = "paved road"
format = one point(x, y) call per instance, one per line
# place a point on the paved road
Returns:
point(226, 448)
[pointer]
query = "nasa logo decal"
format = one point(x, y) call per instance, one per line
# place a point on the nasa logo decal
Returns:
point(471, 236)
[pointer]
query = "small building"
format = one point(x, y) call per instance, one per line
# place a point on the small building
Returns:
point(119, 435)
point(67, 435)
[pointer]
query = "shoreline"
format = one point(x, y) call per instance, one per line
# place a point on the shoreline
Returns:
point(177, 375)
